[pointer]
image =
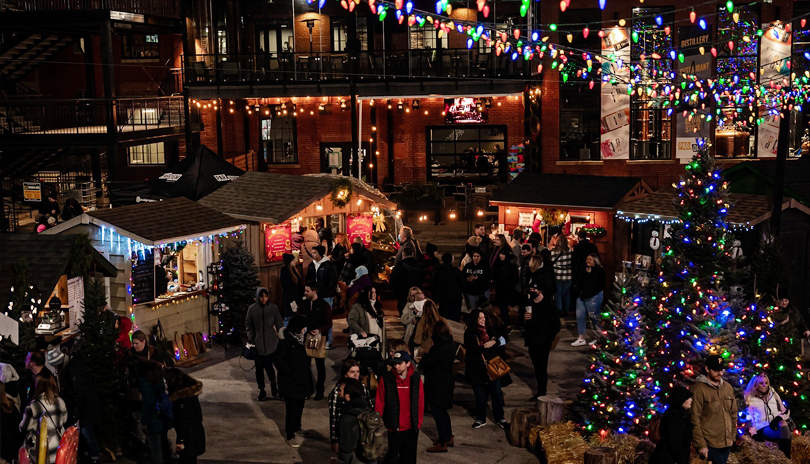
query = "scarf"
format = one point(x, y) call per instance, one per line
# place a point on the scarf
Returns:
point(298, 337)
point(483, 336)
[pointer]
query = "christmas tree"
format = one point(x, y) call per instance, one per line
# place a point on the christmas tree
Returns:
point(240, 278)
point(97, 348)
point(23, 307)
point(615, 387)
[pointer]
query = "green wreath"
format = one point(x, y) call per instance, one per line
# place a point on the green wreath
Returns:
point(341, 192)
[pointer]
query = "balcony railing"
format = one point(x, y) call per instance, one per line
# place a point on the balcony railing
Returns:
point(336, 66)
point(91, 116)
point(168, 8)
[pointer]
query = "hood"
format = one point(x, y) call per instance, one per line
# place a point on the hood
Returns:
point(188, 387)
point(355, 406)
point(259, 290)
point(8, 373)
point(704, 379)
point(677, 396)
point(360, 272)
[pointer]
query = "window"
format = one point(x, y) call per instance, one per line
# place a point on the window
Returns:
point(339, 36)
point(580, 106)
point(362, 32)
point(735, 133)
point(278, 138)
point(281, 39)
point(426, 37)
point(467, 153)
point(650, 121)
point(800, 119)
point(145, 155)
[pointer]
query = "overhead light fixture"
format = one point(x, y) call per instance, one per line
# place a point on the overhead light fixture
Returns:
point(415, 104)
point(400, 106)
point(343, 105)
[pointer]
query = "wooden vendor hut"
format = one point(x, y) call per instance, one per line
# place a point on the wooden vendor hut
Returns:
point(539, 201)
point(162, 251)
point(280, 207)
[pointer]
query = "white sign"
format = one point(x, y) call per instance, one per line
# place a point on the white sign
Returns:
point(525, 219)
point(75, 288)
point(9, 328)
point(615, 140)
point(774, 59)
point(295, 225)
point(170, 177)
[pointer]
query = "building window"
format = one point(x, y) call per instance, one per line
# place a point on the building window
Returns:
point(278, 135)
point(800, 119)
point(735, 133)
point(339, 36)
point(465, 153)
point(147, 155)
point(362, 32)
point(426, 37)
point(580, 106)
point(650, 118)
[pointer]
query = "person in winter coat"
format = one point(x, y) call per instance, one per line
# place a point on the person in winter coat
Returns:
point(561, 261)
point(46, 405)
point(322, 271)
point(411, 314)
point(480, 239)
point(768, 415)
point(407, 273)
point(714, 413)
point(294, 376)
point(407, 241)
point(542, 324)
point(400, 401)
point(499, 242)
point(476, 275)
point(355, 260)
point(505, 275)
point(371, 263)
point(318, 315)
point(10, 418)
point(150, 381)
point(581, 251)
point(292, 286)
point(354, 397)
point(366, 316)
point(430, 263)
point(676, 430)
point(591, 285)
point(437, 366)
point(184, 392)
point(263, 321)
point(449, 280)
point(83, 403)
point(350, 370)
point(339, 252)
point(423, 335)
point(482, 340)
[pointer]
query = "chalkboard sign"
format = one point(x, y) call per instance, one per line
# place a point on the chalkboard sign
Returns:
point(143, 276)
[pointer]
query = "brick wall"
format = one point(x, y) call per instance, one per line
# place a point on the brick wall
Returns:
point(321, 33)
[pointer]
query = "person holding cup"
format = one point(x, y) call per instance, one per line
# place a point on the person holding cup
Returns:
point(542, 324)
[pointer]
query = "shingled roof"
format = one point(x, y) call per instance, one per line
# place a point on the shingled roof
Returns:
point(758, 177)
point(569, 191)
point(48, 258)
point(157, 222)
point(274, 198)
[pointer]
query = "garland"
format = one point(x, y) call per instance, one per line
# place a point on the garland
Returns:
point(341, 192)
point(594, 229)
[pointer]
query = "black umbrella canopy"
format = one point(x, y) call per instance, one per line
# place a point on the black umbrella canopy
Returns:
point(197, 175)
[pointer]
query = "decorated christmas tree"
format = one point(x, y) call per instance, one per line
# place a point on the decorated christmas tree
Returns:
point(238, 286)
point(22, 308)
point(615, 386)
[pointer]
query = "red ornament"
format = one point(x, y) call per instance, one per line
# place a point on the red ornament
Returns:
point(486, 11)
point(516, 33)
point(731, 45)
point(692, 17)
point(585, 32)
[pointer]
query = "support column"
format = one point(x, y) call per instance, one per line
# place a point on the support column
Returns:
point(781, 160)
point(246, 139)
point(188, 51)
point(108, 77)
point(219, 127)
point(355, 153)
point(390, 138)
point(372, 173)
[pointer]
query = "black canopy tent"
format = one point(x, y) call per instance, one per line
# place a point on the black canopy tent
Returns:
point(197, 175)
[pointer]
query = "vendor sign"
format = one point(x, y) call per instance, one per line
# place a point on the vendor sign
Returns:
point(277, 241)
point(360, 225)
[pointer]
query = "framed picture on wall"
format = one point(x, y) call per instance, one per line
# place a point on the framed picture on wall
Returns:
point(140, 47)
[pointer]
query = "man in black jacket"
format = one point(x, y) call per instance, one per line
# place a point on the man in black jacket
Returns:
point(318, 315)
point(448, 278)
point(542, 326)
point(348, 427)
point(326, 277)
point(408, 273)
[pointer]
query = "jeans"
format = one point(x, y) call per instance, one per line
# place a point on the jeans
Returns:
point(590, 307)
point(331, 301)
point(443, 424)
point(539, 356)
point(294, 409)
point(402, 447)
point(481, 392)
point(563, 296)
point(320, 367)
point(719, 455)
point(264, 363)
point(89, 435)
point(781, 436)
point(473, 301)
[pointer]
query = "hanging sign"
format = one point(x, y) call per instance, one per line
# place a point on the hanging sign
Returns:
point(690, 127)
point(32, 191)
point(525, 219)
point(774, 59)
point(615, 127)
point(360, 225)
point(277, 241)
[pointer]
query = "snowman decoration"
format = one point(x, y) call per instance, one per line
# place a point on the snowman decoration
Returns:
point(736, 250)
point(655, 242)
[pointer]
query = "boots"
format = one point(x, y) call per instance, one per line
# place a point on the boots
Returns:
point(438, 447)
point(274, 389)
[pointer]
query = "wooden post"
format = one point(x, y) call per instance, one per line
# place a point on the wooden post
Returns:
point(551, 410)
point(523, 419)
point(601, 456)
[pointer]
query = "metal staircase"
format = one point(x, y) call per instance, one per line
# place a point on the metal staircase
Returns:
point(29, 53)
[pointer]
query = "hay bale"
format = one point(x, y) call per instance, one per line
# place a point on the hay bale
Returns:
point(754, 452)
point(800, 449)
point(629, 449)
point(558, 443)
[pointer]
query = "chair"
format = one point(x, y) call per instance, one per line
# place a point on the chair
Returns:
point(338, 67)
point(199, 72)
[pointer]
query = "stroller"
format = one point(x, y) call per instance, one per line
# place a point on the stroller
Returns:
point(367, 352)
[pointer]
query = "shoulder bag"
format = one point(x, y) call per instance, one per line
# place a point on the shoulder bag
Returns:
point(315, 345)
point(496, 367)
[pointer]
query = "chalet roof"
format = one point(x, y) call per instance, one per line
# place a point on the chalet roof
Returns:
point(568, 191)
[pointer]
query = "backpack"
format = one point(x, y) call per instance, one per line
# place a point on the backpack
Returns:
point(655, 429)
point(373, 436)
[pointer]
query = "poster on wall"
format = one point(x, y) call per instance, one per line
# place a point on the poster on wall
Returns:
point(463, 111)
point(615, 140)
point(774, 60)
point(75, 290)
point(516, 161)
point(277, 241)
point(691, 127)
point(360, 225)
point(525, 219)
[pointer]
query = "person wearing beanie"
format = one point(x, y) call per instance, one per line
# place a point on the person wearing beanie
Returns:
point(294, 376)
point(674, 447)
point(714, 413)
point(429, 265)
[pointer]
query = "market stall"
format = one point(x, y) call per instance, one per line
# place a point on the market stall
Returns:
point(163, 251)
point(539, 202)
point(280, 208)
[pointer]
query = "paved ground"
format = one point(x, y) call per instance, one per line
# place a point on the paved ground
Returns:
point(241, 430)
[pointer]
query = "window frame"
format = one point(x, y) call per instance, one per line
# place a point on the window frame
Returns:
point(161, 153)
point(429, 142)
point(275, 113)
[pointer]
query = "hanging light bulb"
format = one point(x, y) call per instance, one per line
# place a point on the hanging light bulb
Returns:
point(585, 32)
point(692, 17)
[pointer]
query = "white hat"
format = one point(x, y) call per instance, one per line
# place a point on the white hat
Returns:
point(55, 357)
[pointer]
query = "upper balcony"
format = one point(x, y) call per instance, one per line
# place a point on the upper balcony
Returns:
point(91, 122)
point(166, 8)
point(415, 72)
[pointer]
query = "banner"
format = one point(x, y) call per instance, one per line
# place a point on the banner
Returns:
point(691, 127)
point(360, 225)
point(277, 241)
point(32, 191)
point(75, 290)
point(774, 59)
point(615, 140)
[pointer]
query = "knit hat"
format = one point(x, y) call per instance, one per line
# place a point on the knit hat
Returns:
point(430, 249)
point(54, 357)
point(678, 395)
point(473, 249)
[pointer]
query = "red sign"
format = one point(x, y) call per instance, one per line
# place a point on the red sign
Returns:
point(277, 241)
point(360, 225)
